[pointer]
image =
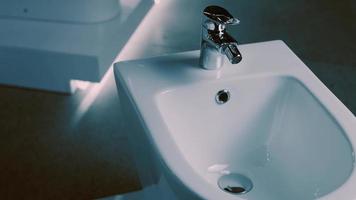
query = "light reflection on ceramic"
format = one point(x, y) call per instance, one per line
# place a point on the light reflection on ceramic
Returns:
point(219, 169)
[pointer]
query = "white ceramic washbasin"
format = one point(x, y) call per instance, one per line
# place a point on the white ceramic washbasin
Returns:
point(281, 128)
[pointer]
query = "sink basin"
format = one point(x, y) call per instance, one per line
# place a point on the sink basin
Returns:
point(279, 127)
point(272, 129)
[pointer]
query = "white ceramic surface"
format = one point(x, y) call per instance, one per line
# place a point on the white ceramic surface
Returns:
point(282, 128)
point(46, 44)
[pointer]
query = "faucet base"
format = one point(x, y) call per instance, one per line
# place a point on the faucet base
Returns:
point(210, 59)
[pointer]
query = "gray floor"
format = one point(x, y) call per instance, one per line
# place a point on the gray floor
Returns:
point(64, 147)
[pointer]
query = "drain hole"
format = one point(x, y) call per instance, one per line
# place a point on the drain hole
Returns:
point(236, 190)
point(235, 184)
point(222, 96)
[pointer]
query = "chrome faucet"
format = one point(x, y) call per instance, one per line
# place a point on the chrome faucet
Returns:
point(216, 43)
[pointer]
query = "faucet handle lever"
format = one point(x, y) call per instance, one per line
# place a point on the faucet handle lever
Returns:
point(220, 15)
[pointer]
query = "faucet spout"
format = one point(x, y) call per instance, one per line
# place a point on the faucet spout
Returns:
point(216, 43)
point(233, 53)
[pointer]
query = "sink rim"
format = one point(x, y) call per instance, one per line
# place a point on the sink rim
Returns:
point(159, 134)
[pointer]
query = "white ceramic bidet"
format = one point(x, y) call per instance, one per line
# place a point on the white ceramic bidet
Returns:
point(265, 128)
